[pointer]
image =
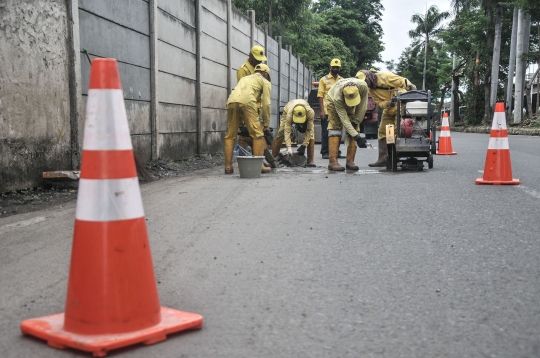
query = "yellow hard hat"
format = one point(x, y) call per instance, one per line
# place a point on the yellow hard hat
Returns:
point(336, 62)
point(360, 75)
point(258, 52)
point(372, 70)
point(351, 95)
point(299, 114)
point(263, 68)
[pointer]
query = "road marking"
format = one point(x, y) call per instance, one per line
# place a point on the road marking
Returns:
point(22, 223)
point(529, 191)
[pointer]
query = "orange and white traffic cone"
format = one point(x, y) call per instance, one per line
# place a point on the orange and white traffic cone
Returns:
point(498, 167)
point(112, 298)
point(445, 141)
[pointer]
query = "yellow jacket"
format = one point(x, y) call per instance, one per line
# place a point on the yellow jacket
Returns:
point(346, 114)
point(387, 86)
point(287, 121)
point(245, 70)
point(325, 83)
point(253, 89)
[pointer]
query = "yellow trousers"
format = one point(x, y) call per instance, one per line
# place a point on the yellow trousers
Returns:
point(238, 112)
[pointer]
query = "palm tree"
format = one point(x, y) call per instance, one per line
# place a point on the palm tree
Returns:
point(427, 27)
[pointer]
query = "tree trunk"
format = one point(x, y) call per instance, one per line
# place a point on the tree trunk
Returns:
point(496, 58)
point(512, 64)
point(487, 74)
point(455, 109)
point(441, 102)
point(425, 64)
point(518, 98)
point(475, 88)
point(270, 5)
point(538, 81)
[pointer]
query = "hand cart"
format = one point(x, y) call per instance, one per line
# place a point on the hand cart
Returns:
point(411, 150)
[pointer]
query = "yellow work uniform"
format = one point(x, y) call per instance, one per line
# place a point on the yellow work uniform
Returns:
point(339, 114)
point(245, 70)
point(325, 83)
point(285, 126)
point(242, 106)
point(388, 84)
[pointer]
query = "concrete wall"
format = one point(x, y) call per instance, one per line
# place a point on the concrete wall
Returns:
point(34, 91)
point(177, 62)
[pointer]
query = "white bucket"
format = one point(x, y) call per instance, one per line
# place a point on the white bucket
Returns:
point(250, 166)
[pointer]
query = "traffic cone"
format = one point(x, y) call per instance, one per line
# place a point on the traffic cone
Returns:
point(445, 141)
point(498, 168)
point(112, 298)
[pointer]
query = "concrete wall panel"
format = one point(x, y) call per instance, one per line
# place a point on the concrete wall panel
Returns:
point(133, 14)
point(212, 142)
point(175, 118)
point(214, 50)
point(176, 61)
point(183, 10)
point(176, 90)
point(217, 7)
point(214, 97)
point(240, 41)
point(214, 26)
point(213, 73)
point(138, 115)
point(176, 32)
point(106, 39)
point(214, 119)
point(241, 22)
point(141, 146)
point(175, 146)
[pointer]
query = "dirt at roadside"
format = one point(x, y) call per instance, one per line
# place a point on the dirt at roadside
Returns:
point(54, 194)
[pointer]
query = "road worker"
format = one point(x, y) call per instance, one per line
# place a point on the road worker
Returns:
point(325, 83)
point(256, 56)
point(298, 112)
point(382, 87)
point(346, 104)
point(242, 106)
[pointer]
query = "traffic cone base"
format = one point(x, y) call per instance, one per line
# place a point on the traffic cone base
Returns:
point(51, 329)
point(445, 141)
point(498, 167)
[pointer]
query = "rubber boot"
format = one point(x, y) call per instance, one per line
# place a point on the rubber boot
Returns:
point(351, 152)
point(276, 147)
point(310, 154)
point(228, 149)
point(333, 149)
point(258, 150)
point(383, 154)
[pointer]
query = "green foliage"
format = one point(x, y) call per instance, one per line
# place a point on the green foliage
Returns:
point(324, 49)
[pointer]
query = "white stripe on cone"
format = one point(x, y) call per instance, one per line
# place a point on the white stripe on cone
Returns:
point(445, 134)
point(109, 200)
point(445, 122)
point(499, 121)
point(498, 143)
point(106, 125)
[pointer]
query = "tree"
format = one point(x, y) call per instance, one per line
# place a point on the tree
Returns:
point(357, 24)
point(427, 27)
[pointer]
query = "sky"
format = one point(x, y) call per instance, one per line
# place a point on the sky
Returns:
point(396, 23)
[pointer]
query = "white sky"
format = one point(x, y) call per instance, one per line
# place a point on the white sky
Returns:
point(396, 23)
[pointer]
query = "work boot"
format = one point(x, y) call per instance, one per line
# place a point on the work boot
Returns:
point(246, 143)
point(258, 150)
point(351, 152)
point(310, 154)
point(276, 147)
point(228, 149)
point(333, 148)
point(383, 154)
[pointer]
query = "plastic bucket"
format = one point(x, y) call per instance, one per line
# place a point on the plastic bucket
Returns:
point(250, 166)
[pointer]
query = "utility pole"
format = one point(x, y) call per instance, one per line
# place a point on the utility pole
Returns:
point(496, 59)
point(512, 64)
point(518, 100)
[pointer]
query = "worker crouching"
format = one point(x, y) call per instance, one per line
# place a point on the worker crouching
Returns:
point(299, 113)
point(242, 106)
point(346, 104)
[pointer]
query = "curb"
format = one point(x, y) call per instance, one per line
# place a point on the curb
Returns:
point(513, 131)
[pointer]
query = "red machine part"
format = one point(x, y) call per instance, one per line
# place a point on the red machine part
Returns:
point(406, 127)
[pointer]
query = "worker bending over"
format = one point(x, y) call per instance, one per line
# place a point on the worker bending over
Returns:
point(346, 104)
point(298, 112)
point(382, 87)
point(242, 106)
point(256, 56)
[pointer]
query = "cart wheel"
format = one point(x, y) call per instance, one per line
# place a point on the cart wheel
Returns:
point(420, 166)
point(404, 166)
point(433, 140)
point(430, 161)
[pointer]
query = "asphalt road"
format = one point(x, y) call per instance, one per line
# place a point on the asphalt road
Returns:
point(307, 263)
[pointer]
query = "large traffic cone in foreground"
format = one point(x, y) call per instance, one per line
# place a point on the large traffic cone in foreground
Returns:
point(498, 168)
point(112, 299)
point(445, 141)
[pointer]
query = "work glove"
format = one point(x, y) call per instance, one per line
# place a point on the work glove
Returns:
point(392, 102)
point(289, 150)
point(301, 150)
point(411, 87)
point(360, 140)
